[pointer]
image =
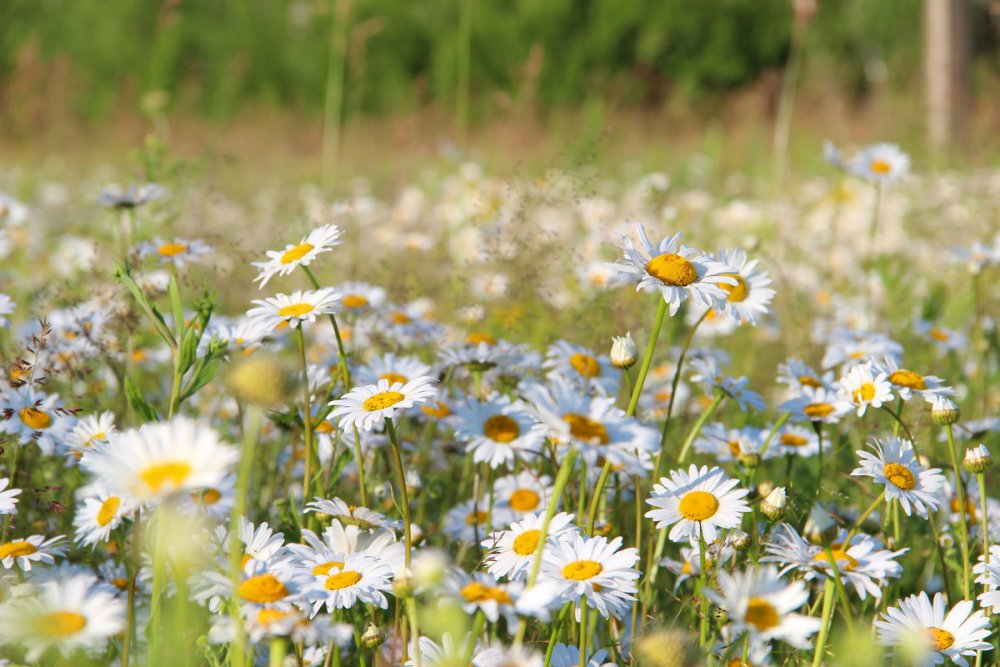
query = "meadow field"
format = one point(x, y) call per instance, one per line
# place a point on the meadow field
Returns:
point(299, 371)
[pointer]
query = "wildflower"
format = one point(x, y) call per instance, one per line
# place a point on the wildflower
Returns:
point(894, 464)
point(482, 592)
point(27, 550)
point(497, 431)
point(512, 550)
point(773, 506)
point(583, 369)
point(927, 633)
point(133, 196)
point(99, 514)
point(677, 271)
point(880, 163)
point(293, 309)
point(697, 502)
point(178, 252)
point(347, 580)
point(977, 460)
point(624, 352)
point(760, 603)
point(816, 405)
point(750, 296)
point(944, 411)
point(284, 262)
point(862, 387)
point(367, 406)
point(595, 569)
point(8, 498)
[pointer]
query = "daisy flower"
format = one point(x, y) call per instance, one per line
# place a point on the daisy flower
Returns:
point(798, 375)
point(284, 262)
point(908, 383)
point(354, 578)
point(178, 252)
point(862, 563)
point(339, 539)
point(564, 655)
point(816, 405)
point(750, 296)
point(851, 347)
point(293, 309)
point(760, 603)
point(35, 549)
point(89, 431)
point(481, 592)
point(583, 368)
point(367, 406)
point(8, 498)
point(894, 464)
point(68, 615)
point(511, 551)
point(31, 415)
point(516, 496)
point(360, 297)
point(260, 543)
point(677, 271)
point(880, 163)
point(98, 514)
point(865, 385)
point(497, 431)
point(791, 440)
point(988, 574)
point(708, 372)
point(470, 521)
point(592, 568)
point(133, 196)
point(697, 502)
point(945, 339)
point(726, 444)
point(926, 633)
point(159, 460)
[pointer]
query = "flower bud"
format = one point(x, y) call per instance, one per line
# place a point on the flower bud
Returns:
point(944, 411)
point(623, 351)
point(260, 380)
point(819, 526)
point(665, 648)
point(403, 586)
point(373, 637)
point(774, 505)
point(430, 567)
point(765, 488)
point(738, 539)
point(977, 459)
point(749, 459)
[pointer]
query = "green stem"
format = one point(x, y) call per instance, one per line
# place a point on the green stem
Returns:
point(647, 360)
point(963, 513)
point(705, 416)
point(824, 628)
point(404, 494)
point(864, 515)
point(981, 478)
point(276, 656)
point(253, 421)
point(702, 589)
point(307, 426)
point(583, 631)
point(130, 629)
point(596, 499)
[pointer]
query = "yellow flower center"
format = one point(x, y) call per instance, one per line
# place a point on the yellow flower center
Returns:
point(60, 624)
point(585, 365)
point(477, 592)
point(354, 301)
point(817, 410)
point(864, 393)
point(526, 542)
point(908, 379)
point(35, 419)
point(899, 475)
point(171, 249)
point(295, 310)
point(793, 440)
point(211, 496)
point(672, 270)
point(296, 253)
point(381, 401)
point(436, 410)
point(524, 500)
point(940, 640)
point(761, 614)
point(737, 292)
point(262, 589)
point(585, 428)
point(109, 508)
point(839, 556)
point(323, 569)
point(344, 579)
point(323, 427)
point(268, 616)
point(16, 549)
point(939, 335)
point(809, 381)
point(121, 583)
point(501, 428)
point(476, 518)
point(880, 166)
point(734, 447)
point(400, 318)
point(158, 475)
point(477, 337)
point(698, 505)
point(580, 570)
point(394, 378)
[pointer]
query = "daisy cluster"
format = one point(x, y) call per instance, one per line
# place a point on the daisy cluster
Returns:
point(337, 472)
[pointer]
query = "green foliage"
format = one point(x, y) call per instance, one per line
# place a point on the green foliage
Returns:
point(219, 55)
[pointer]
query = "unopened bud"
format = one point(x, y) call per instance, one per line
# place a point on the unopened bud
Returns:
point(721, 615)
point(749, 459)
point(260, 380)
point(739, 540)
point(430, 567)
point(819, 526)
point(773, 506)
point(977, 459)
point(623, 351)
point(665, 648)
point(403, 586)
point(765, 488)
point(944, 411)
point(373, 637)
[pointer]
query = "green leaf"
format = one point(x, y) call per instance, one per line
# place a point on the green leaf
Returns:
point(175, 304)
point(138, 404)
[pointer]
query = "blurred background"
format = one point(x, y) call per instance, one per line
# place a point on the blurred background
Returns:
point(342, 88)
